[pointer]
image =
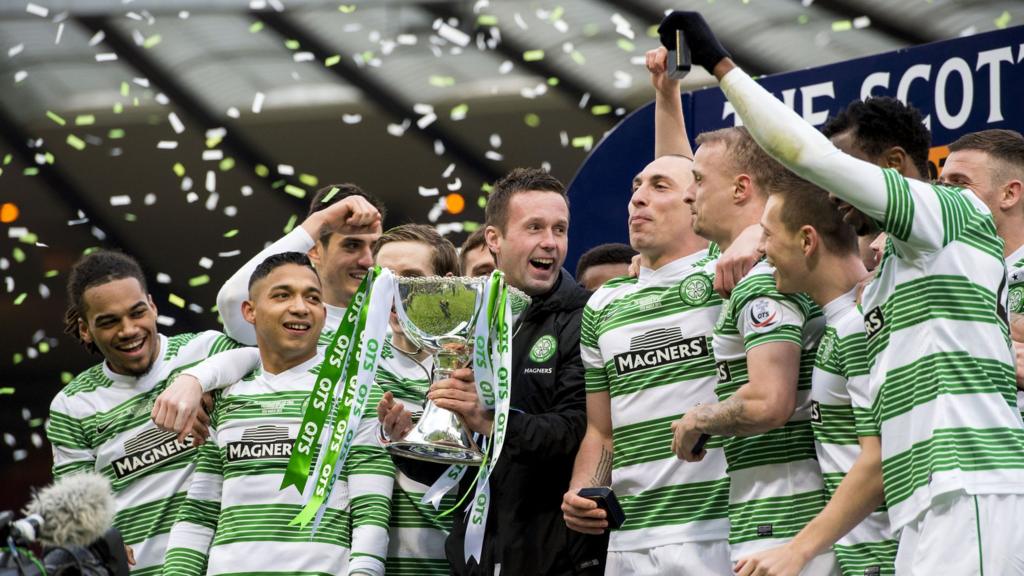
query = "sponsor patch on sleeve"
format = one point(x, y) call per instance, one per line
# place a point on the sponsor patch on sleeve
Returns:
point(763, 315)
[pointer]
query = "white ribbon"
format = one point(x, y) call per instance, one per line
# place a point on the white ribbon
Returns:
point(501, 348)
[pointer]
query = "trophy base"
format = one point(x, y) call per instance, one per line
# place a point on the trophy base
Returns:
point(437, 453)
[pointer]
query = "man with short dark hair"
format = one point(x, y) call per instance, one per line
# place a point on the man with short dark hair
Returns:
point(815, 252)
point(237, 519)
point(527, 224)
point(941, 374)
point(99, 421)
point(991, 164)
point(602, 263)
point(474, 255)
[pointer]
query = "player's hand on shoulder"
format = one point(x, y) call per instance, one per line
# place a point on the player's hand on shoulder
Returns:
point(745, 251)
point(179, 408)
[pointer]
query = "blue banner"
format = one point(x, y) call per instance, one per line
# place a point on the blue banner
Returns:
point(960, 86)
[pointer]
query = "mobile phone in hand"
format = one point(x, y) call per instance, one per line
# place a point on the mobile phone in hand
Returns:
point(606, 500)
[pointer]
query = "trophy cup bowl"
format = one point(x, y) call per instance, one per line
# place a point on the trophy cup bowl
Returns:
point(439, 314)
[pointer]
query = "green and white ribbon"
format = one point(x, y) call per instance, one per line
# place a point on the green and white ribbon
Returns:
point(340, 365)
point(500, 398)
point(377, 314)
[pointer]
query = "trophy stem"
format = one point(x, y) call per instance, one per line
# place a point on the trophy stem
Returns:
point(441, 435)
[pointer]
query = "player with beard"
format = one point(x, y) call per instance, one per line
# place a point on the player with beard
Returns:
point(100, 420)
point(236, 518)
point(941, 373)
point(814, 251)
point(646, 347)
point(527, 219)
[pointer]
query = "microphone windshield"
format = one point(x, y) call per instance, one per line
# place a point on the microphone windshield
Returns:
point(76, 509)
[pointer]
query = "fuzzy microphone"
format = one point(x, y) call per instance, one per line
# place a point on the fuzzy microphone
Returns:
point(74, 511)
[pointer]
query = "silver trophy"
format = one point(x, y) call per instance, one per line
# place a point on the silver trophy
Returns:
point(439, 314)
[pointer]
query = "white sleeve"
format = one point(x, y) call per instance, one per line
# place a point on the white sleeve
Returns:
point(224, 369)
point(921, 216)
point(236, 289)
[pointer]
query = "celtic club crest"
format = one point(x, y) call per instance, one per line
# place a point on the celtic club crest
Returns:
point(696, 289)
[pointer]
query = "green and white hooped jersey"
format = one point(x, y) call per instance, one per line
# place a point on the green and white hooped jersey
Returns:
point(839, 383)
point(776, 485)
point(101, 421)
point(1015, 296)
point(236, 517)
point(647, 342)
point(942, 376)
point(416, 545)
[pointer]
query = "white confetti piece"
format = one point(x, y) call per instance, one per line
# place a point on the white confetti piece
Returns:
point(211, 201)
point(398, 129)
point(495, 140)
point(427, 192)
point(493, 155)
point(216, 133)
point(213, 155)
point(137, 36)
point(257, 103)
point(97, 38)
point(407, 39)
point(106, 57)
point(505, 67)
point(4, 263)
point(446, 228)
point(861, 22)
point(195, 308)
point(545, 166)
point(303, 56)
point(205, 262)
point(520, 22)
point(80, 220)
point(426, 121)
point(98, 234)
point(165, 320)
point(37, 10)
point(584, 99)
point(16, 232)
point(453, 35)
point(230, 211)
point(184, 14)
point(438, 147)
point(149, 199)
point(455, 186)
point(211, 181)
point(176, 123)
point(233, 112)
point(20, 75)
point(191, 197)
point(9, 284)
point(120, 200)
point(247, 191)
point(26, 414)
point(623, 80)
point(969, 31)
point(37, 440)
point(162, 99)
point(44, 291)
point(140, 81)
point(436, 210)
point(563, 136)
point(448, 171)
point(20, 454)
point(134, 16)
point(167, 144)
point(351, 118)
point(162, 278)
point(32, 353)
point(229, 254)
point(286, 169)
point(186, 184)
point(9, 439)
point(15, 50)
point(561, 25)
point(421, 108)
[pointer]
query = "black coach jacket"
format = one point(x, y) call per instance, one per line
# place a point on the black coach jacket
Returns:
point(525, 532)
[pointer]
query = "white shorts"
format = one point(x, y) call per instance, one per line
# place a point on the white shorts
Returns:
point(697, 558)
point(965, 535)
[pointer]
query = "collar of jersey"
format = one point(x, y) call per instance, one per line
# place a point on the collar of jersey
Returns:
point(334, 315)
point(1017, 255)
point(836, 308)
point(303, 368)
point(126, 380)
point(671, 271)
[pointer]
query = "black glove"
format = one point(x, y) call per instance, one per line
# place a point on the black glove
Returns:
point(705, 49)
